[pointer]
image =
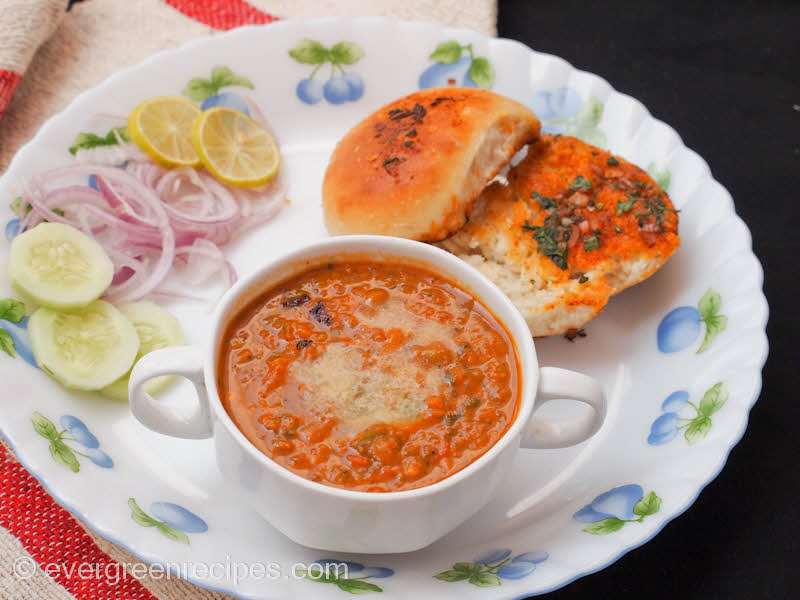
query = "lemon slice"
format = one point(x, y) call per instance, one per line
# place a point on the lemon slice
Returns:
point(234, 148)
point(162, 128)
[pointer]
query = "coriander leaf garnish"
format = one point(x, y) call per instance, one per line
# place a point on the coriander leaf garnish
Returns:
point(625, 206)
point(591, 243)
point(12, 310)
point(553, 235)
point(15, 204)
point(612, 162)
point(545, 202)
point(580, 183)
point(7, 343)
point(583, 279)
point(85, 140)
point(550, 242)
point(656, 208)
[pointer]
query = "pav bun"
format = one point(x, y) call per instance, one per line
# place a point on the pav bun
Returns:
point(415, 167)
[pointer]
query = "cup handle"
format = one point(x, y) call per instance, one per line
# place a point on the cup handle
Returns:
point(169, 420)
point(560, 384)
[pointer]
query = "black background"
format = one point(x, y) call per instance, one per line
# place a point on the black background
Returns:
point(726, 76)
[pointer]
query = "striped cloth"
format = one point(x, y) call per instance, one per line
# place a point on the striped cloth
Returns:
point(47, 57)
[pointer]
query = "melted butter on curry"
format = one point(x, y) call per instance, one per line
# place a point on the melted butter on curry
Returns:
point(361, 391)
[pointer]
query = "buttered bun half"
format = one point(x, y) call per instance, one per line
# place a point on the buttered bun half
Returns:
point(415, 167)
point(574, 226)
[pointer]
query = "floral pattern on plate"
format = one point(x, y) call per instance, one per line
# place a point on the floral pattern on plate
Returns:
point(563, 111)
point(455, 65)
point(207, 91)
point(487, 569)
point(12, 226)
point(328, 570)
point(680, 327)
point(14, 330)
point(666, 427)
point(612, 510)
point(171, 520)
point(342, 86)
point(74, 432)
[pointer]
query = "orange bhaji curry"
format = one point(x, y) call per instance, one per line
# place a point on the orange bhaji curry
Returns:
point(369, 376)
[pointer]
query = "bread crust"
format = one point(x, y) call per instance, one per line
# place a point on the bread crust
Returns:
point(415, 167)
point(611, 226)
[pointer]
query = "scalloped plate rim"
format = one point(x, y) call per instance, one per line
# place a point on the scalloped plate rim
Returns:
point(107, 531)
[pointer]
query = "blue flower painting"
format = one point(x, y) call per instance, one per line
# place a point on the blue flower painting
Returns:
point(612, 510)
point(12, 229)
point(207, 91)
point(14, 338)
point(70, 442)
point(681, 326)
point(563, 111)
point(346, 575)
point(696, 420)
point(455, 65)
point(342, 85)
point(170, 520)
point(490, 568)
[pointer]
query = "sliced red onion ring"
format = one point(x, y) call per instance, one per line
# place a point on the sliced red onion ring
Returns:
point(150, 219)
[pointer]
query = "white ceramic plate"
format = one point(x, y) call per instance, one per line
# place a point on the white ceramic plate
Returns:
point(674, 413)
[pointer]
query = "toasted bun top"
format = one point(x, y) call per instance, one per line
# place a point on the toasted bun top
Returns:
point(414, 168)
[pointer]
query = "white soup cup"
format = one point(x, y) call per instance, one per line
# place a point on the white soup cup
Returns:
point(336, 519)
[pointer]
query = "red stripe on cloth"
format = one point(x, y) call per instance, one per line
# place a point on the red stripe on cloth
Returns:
point(8, 81)
point(57, 542)
point(222, 14)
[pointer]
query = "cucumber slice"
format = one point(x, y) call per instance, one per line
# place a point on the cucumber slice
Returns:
point(57, 266)
point(156, 329)
point(87, 349)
